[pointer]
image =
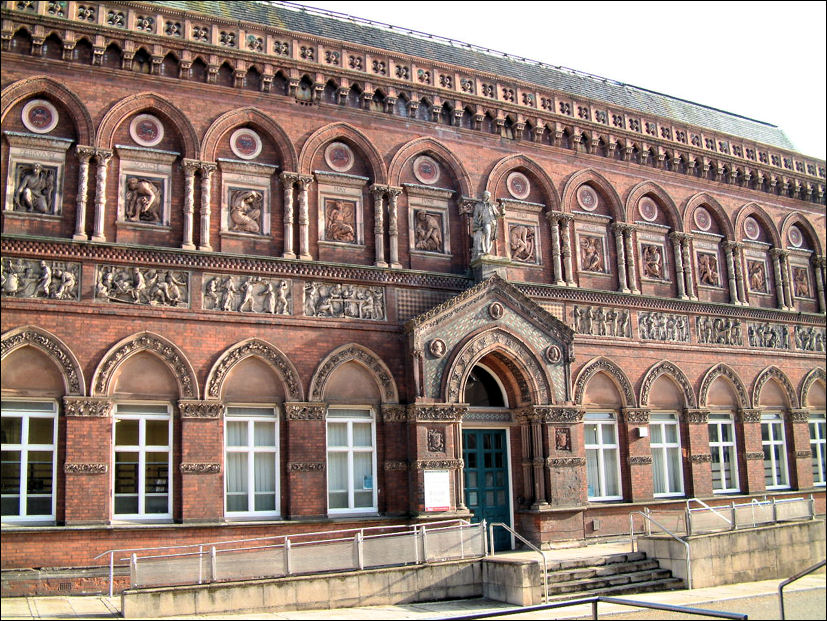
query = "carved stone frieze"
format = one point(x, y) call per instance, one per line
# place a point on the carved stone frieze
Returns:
point(443, 412)
point(439, 464)
point(768, 336)
point(365, 357)
point(799, 416)
point(640, 460)
point(636, 416)
point(344, 301)
point(809, 338)
point(50, 280)
point(502, 416)
point(143, 286)
point(565, 462)
point(700, 459)
point(32, 336)
point(246, 294)
point(657, 326)
point(436, 440)
point(719, 330)
point(91, 407)
point(395, 466)
point(260, 349)
point(696, 417)
point(85, 468)
point(549, 414)
point(394, 414)
point(304, 411)
point(200, 409)
point(200, 468)
point(306, 466)
point(600, 321)
point(749, 416)
point(754, 456)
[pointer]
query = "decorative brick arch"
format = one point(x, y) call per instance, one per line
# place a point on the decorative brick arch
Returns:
point(816, 375)
point(524, 364)
point(702, 198)
point(777, 374)
point(801, 222)
point(235, 118)
point(264, 351)
point(755, 210)
point(429, 145)
point(346, 132)
point(665, 367)
point(159, 346)
point(727, 372)
point(604, 365)
point(663, 199)
point(119, 112)
point(601, 183)
point(510, 162)
point(18, 91)
point(54, 348)
point(361, 355)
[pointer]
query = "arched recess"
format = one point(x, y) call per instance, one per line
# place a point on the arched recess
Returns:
point(613, 371)
point(796, 218)
point(118, 113)
point(816, 376)
point(702, 198)
point(266, 352)
point(776, 374)
point(425, 145)
point(510, 162)
point(648, 187)
point(599, 182)
point(322, 136)
point(29, 87)
point(158, 346)
point(755, 210)
point(234, 118)
point(725, 371)
point(676, 374)
point(511, 353)
point(54, 348)
point(361, 355)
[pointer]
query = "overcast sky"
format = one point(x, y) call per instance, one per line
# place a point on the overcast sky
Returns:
point(763, 60)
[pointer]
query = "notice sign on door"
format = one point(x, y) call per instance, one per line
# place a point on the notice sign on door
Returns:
point(437, 490)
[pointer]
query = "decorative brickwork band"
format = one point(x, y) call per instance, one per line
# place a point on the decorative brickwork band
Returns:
point(754, 456)
point(799, 416)
point(85, 468)
point(394, 414)
point(636, 416)
point(395, 466)
point(306, 466)
point(200, 409)
point(304, 411)
point(640, 460)
point(195, 468)
point(565, 462)
point(696, 417)
point(439, 464)
point(700, 459)
point(750, 416)
point(443, 412)
point(87, 407)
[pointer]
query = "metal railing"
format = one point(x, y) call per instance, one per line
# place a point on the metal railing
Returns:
point(748, 515)
point(299, 553)
point(527, 543)
point(650, 520)
point(792, 579)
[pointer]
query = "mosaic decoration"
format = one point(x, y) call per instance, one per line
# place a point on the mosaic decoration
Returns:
point(809, 339)
point(426, 170)
point(719, 331)
point(600, 321)
point(339, 157)
point(518, 185)
point(587, 198)
point(751, 228)
point(657, 326)
point(648, 209)
point(344, 301)
point(146, 130)
point(142, 285)
point(245, 143)
point(54, 280)
point(768, 336)
point(40, 116)
point(246, 294)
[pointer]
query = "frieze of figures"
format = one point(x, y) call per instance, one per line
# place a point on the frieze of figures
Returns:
point(719, 330)
point(143, 285)
point(246, 294)
point(53, 280)
point(768, 335)
point(600, 321)
point(351, 301)
point(657, 326)
point(809, 339)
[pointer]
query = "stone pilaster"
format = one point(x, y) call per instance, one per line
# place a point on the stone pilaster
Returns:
point(617, 229)
point(84, 155)
point(288, 181)
point(102, 157)
point(190, 168)
point(202, 450)
point(775, 253)
point(207, 170)
point(393, 226)
point(378, 193)
point(680, 277)
point(729, 250)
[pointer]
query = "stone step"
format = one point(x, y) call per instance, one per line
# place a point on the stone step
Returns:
point(595, 561)
point(600, 571)
point(664, 584)
point(592, 584)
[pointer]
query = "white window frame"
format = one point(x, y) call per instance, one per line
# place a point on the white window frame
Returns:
point(780, 470)
point(142, 449)
point(11, 408)
point(721, 448)
point(600, 420)
point(664, 420)
point(818, 448)
point(349, 450)
point(268, 415)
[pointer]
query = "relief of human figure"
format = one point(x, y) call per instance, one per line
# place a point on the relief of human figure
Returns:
point(756, 277)
point(428, 232)
point(247, 300)
point(66, 288)
point(34, 191)
point(246, 208)
point(708, 269)
point(592, 259)
point(143, 201)
point(337, 225)
point(652, 262)
point(801, 284)
point(44, 283)
point(521, 240)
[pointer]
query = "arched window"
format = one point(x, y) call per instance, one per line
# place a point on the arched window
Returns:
point(169, 67)
point(304, 92)
point(483, 389)
point(53, 47)
point(83, 52)
point(467, 120)
point(113, 57)
point(423, 111)
point(818, 448)
point(198, 71)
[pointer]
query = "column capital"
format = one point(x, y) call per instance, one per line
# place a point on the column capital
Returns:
point(305, 411)
point(437, 412)
point(619, 227)
point(696, 416)
point(636, 416)
point(377, 189)
point(393, 191)
point(779, 252)
point(208, 168)
point(818, 261)
point(554, 216)
point(191, 166)
point(305, 180)
point(678, 236)
point(103, 155)
point(289, 177)
point(85, 152)
point(87, 407)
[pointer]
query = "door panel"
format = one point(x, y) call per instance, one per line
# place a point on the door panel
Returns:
point(486, 479)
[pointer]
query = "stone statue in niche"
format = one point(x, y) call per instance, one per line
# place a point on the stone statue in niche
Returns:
point(719, 330)
point(428, 231)
point(768, 335)
point(809, 339)
point(521, 239)
point(246, 294)
point(592, 251)
point(484, 222)
point(246, 208)
point(344, 301)
point(54, 280)
point(140, 285)
point(801, 283)
point(35, 189)
point(652, 261)
point(708, 269)
point(340, 220)
point(143, 201)
point(436, 441)
point(757, 278)
point(599, 321)
point(657, 326)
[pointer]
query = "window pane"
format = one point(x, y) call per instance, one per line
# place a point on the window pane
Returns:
point(126, 505)
point(592, 473)
point(157, 473)
point(610, 464)
point(265, 472)
point(156, 503)
point(657, 437)
point(672, 434)
point(41, 430)
point(237, 433)
point(363, 471)
point(337, 434)
point(264, 434)
point(338, 500)
point(126, 432)
point(337, 472)
point(11, 472)
point(39, 479)
point(10, 505)
point(126, 473)
point(265, 502)
point(608, 434)
point(361, 434)
point(39, 505)
point(12, 429)
point(236, 475)
point(237, 502)
point(713, 433)
point(590, 432)
point(675, 472)
point(659, 480)
point(157, 433)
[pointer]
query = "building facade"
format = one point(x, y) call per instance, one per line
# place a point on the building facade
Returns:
point(266, 271)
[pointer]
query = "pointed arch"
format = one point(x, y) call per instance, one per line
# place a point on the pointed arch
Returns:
point(601, 183)
point(51, 346)
point(518, 160)
point(23, 89)
point(118, 113)
point(157, 345)
point(233, 118)
point(361, 355)
point(816, 375)
point(798, 219)
point(773, 372)
point(723, 370)
point(325, 134)
point(422, 145)
point(755, 210)
point(721, 217)
point(664, 367)
point(604, 365)
point(648, 187)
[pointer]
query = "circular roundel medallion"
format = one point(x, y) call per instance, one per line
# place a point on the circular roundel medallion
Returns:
point(587, 198)
point(437, 348)
point(146, 130)
point(426, 170)
point(518, 185)
point(751, 228)
point(795, 237)
point(495, 310)
point(339, 156)
point(648, 209)
point(245, 143)
point(553, 353)
point(702, 219)
point(39, 116)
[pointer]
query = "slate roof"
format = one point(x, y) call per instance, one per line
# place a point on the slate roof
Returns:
point(575, 83)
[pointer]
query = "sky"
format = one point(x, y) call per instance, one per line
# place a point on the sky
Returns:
point(762, 60)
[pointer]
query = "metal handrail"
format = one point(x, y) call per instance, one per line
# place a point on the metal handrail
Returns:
point(668, 532)
point(706, 506)
point(792, 579)
point(526, 542)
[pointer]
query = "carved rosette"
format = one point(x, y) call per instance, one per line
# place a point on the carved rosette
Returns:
point(90, 407)
point(439, 464)
point(754, 456)
point(395, 466)
point(192, 408)
point(750, 416)
point(799, 416)
point(640, 460)
point(304, 411)
point(696, 417)
point(700, 459)
point(394, 414)
point(85, 468)
point(565, 462)
point(52, 347)
point(636, 416)
point(306, 466)
point(266, 352)
point(441, 412)
point(200, 468)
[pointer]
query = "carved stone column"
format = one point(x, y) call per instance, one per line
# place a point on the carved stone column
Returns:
point(393, 226)
point(556, 264)
point(700, 459)
point(565, 249)
point(818, 268)
point(84, 155)
point(729, 250)
point(202, 444)
point(304, 217)
point(687, 266)
point(775, 253)
point(378, 193)
point(787, 279)
point(306, 459)
point(102, 157)
point(617, 229)
point(288, 180)
point(190, 167)
point(207, 171)
point(738, 259)
point(680, 277)
point(631, 272)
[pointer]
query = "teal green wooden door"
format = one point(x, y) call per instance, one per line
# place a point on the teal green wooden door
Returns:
point(486, 479)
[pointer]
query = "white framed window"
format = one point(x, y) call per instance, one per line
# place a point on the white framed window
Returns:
point(29, 440)
point(773, 442)
point(665, 442)
point(602, 456)
point(351, 460)
point(251, 462)
point(143, 458)
point(818, 448)
point(722, 448)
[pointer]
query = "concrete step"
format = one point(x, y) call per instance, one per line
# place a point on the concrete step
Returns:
point(663, 584)
point(600, 571)
point(595, 561)
point(589, 585)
